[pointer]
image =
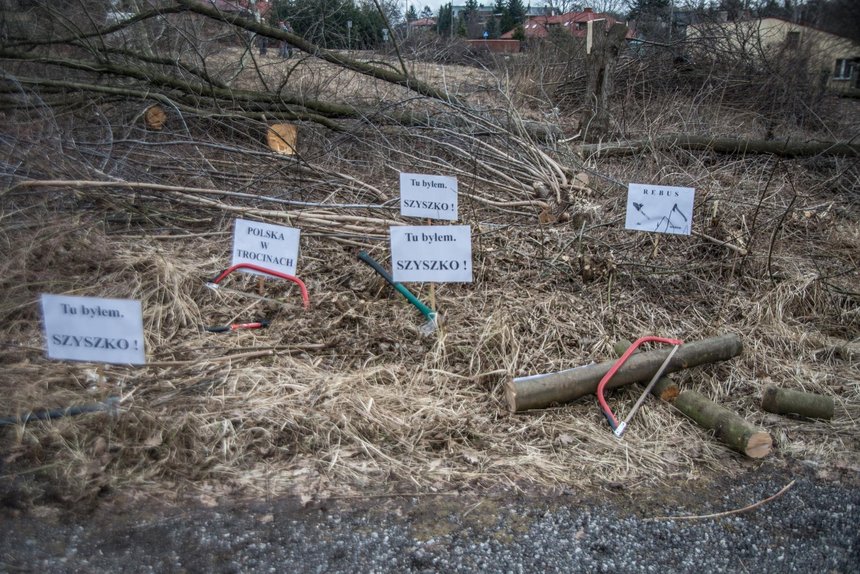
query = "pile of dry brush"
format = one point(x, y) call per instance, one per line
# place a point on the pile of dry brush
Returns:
point(348, 397)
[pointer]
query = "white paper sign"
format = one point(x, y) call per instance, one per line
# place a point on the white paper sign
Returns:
point(274, 247)
point(659, 208)
point(428, 196)
point(93, 329)
point(432, 253)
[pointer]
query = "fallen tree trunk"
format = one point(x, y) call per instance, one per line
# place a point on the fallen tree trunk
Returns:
point(540, 391)
point(721, 145)
point(785, 401)
point(729, 427)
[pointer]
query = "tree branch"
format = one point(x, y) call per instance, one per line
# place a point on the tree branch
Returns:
point(721, 145)
point(390, 76)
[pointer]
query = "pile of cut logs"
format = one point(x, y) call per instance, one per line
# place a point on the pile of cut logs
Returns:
point(541, 391)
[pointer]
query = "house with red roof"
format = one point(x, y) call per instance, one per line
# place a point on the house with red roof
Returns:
point(573, 23)
point(421, 24)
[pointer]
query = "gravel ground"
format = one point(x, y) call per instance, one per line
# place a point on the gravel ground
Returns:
point(812, 527)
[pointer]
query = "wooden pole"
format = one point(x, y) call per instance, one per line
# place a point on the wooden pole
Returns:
point(729, 427)
point(540, 391)
point(785, 401)
point(432, 285)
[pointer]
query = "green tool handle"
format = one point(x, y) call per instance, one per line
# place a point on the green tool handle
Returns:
point(425, 310)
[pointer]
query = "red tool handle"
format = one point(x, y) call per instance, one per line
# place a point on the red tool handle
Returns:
point(254, 325)
point(293, 278)
point(613, 422)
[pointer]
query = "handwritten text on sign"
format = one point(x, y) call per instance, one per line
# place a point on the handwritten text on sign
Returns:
point(93, 329)
point(428, 196)
point(432, 253)
point(660, 208)
point(271, 246)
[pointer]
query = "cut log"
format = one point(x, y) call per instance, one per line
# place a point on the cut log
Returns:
point(785, 402)
point(729, 427)
point(282, 138)
point(540, 391)
point(155, 117)
point(721, 145)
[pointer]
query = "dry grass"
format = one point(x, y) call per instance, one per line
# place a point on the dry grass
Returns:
point(348, 397)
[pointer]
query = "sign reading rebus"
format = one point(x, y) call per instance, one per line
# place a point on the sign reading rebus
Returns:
point(660, 208)
point(274, 247)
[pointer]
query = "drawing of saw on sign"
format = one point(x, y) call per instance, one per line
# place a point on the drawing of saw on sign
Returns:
point(660, 209)
point(664, 221)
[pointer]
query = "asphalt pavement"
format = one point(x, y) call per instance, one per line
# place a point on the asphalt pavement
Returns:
point(812, 526)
